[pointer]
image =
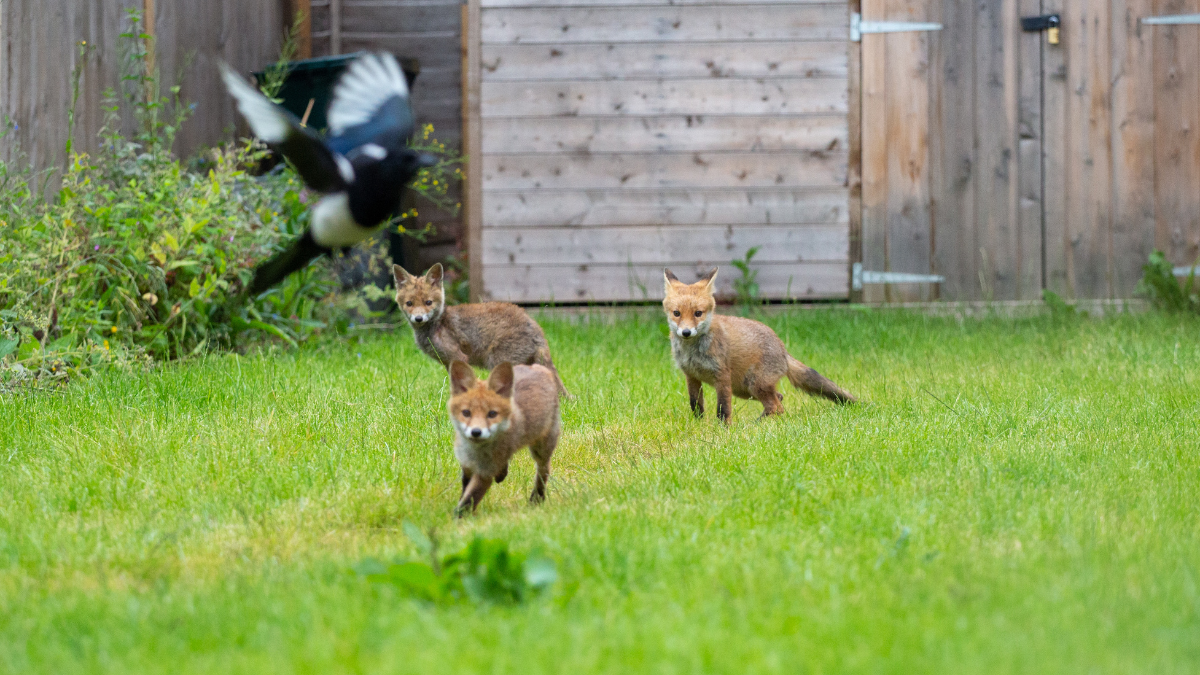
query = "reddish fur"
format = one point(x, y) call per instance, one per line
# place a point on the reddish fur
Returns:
point(519, 407)
point(738, 357)
point(481, 334)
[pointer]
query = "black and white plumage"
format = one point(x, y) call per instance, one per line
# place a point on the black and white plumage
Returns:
point(362, 167)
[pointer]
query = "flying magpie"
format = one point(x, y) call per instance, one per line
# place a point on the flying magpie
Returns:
point(362, 167)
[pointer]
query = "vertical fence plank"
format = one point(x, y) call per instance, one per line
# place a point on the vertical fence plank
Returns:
point(1177, 109)
point(874, 154)
point(953, 132)
point(1133, 210)
point(854, 167)
point(1029, 157)
point(473, 145)
point(907, 120)
point(1089, 156)
point(996, 260)
point(1054, 149)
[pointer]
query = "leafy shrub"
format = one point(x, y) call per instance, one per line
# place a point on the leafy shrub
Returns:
point(1164, 290)
point(139, 259)
point(485, 572)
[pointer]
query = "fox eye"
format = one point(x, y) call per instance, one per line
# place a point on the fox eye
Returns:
point(466, 413)
point(676, 312)
point(492, 413)
point(699, 313)
point(408, 304)
point(428, 302)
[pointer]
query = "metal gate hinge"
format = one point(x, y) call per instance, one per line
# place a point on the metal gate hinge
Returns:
point(859, 27)
point(1171, 20)
point(860, 277)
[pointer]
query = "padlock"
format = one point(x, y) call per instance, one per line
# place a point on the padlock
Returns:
point(1052, 35)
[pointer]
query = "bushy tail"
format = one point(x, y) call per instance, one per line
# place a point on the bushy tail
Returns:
point(542, 357)
point(812, 382)
point(291, 259)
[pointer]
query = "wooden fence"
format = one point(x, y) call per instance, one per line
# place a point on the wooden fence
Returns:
point(1010, 165)
point(616, 138)
point(40, 48)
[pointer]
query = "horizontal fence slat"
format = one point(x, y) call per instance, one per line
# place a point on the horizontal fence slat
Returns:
point(669, 60)
point(717, 170)
point(671, 23)
point(711, 245)
point(686, 208)
point(684, 133)
point(616, 283)
point(494, 4)
point(664, 97)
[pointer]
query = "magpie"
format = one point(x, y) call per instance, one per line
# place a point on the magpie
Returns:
point(362, 166)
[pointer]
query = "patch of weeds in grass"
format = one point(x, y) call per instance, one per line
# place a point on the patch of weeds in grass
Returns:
point(745, 287)
point(485, 572)
point(1160, 285)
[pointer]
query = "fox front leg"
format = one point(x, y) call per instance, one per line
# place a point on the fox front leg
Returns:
point(476, 488)
point(724, 389)
point(695, 396)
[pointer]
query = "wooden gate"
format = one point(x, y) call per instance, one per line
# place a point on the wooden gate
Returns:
point(610, 138)
point(1008, 165)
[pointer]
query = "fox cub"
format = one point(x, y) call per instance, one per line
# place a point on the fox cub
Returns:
point(516, 407)
point(738, 357)
point(481, 334)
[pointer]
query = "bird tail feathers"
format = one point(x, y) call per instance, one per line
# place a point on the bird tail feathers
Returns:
point(295, 257)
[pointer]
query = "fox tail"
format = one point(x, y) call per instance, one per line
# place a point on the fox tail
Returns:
point(812, 382)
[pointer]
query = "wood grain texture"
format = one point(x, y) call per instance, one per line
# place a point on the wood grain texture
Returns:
point(617, 283)
point(712, 170)
point(708, 96)
point(472, 146)
point(996, 102)
point(1056, 121)
point(1028, 275)
point(668, 23)
point(684, 207)
point(854, 161)
point(1177, 134)
point(490, 4)
point(612, 61)
point(679, 133)
point(664, 245)
point(1133, 132)
point(1089, 157)
point(874, 151)
point(908, 223)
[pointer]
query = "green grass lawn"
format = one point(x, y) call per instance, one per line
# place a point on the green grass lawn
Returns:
point(1013, 496)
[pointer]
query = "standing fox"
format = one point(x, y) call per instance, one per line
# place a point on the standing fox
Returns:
point(481, 334)
point(517, 407)
point(738, 357)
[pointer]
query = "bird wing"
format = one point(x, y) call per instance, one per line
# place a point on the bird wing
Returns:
point(321, 168)
point(370, 105)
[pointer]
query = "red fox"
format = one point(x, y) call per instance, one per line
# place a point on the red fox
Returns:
point(516, 407)
point(482, 334)
point(738, 357)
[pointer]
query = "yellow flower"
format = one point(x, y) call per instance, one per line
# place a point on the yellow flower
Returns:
point(106, 344)
point(114, 329)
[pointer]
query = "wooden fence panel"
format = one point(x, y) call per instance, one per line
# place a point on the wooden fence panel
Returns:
point(40, 43)
point(615, 141)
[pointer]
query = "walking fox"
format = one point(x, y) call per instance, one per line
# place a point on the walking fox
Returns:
point(481, 334)
point(516, 407)
point(738, 357)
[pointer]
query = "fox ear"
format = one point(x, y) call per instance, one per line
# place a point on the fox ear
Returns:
point(401, 275)
point(462, 377)
point(709, 279)
point(670, 279)
point(501, 379)
point(435, 273)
